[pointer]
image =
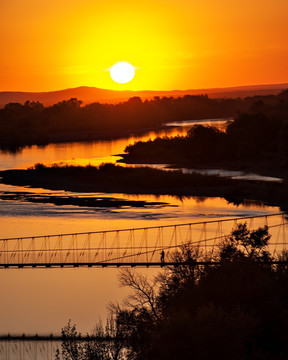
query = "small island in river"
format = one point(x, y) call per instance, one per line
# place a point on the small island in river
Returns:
point(112, 178)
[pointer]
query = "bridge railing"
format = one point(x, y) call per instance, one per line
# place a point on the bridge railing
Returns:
point(138, 246)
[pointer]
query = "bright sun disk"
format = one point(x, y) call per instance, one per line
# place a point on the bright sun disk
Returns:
point(122, 72)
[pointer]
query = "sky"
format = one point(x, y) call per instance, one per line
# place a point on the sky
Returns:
point(185, 44)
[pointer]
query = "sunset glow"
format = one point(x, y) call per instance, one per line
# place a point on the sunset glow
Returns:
point(174, 45)
point(143, 179)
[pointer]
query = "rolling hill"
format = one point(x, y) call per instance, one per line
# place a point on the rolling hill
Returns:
point(93, 94)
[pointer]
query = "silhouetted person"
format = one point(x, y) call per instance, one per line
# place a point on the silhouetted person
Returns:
point(162, 256)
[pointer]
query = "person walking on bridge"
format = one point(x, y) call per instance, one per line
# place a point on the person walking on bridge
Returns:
point(162, 258)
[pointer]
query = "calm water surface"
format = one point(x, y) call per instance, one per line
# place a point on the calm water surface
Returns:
point(81, 153)
point(43, 301)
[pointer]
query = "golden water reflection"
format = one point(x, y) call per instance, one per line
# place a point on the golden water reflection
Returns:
point(43, 301)
point(84, 153)
point(81, 153)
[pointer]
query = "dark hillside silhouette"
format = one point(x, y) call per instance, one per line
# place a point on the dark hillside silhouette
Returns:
point(92, 94)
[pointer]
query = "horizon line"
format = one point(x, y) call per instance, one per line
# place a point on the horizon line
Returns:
point(147, 90)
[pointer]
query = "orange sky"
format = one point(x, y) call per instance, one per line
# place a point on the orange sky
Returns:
point(184, 44)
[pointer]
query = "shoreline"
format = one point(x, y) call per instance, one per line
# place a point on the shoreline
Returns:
point(258, 168)
point(116, 179)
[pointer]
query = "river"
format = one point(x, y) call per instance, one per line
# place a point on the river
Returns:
point(42, 301)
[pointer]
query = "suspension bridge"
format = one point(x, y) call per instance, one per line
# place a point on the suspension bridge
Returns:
point(146, 247)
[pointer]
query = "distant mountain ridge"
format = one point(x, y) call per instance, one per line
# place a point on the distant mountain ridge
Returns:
point(93, 94)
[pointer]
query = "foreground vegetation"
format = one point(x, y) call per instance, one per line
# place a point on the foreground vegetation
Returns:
point(237, 309)
point(256, 141)
point(117, 179)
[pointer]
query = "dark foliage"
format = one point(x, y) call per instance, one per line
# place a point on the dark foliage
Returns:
point(234, 310)
point(259, 136)
point(109, 176)
point(106, 343)
point(32, 123)
point(144, 180)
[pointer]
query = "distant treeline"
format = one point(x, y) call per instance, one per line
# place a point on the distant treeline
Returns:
point(259, 136)
point(32, 123)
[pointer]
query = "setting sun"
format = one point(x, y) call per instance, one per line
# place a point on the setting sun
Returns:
point(184, 47)
point(122, 72)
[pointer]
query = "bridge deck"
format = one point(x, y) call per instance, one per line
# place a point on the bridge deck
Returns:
point(99, 264)
point(116, 265)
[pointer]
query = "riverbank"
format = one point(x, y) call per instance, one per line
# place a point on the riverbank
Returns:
point(111, 178)
point(272, 169)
